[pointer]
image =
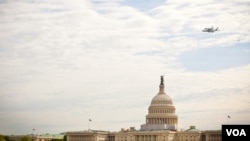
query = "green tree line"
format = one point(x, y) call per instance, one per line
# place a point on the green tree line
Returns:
point(5, 138)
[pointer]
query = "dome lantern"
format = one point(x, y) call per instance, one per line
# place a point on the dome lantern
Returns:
point(162, 86)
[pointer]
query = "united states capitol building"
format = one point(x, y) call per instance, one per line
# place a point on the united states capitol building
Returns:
point(161, 125)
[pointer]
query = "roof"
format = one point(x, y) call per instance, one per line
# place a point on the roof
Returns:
point(51, 136)
point(192, 129)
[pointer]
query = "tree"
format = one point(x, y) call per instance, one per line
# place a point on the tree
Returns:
point(2, 138)
point(65, 138)
point(5, 138)
point(26, 138)
point(56, 139)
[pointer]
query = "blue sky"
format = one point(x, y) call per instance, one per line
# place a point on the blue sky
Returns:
point(142, 4)
point(217, 58)
point(63, 62)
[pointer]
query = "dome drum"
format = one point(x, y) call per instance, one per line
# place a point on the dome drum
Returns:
point(155, 110)
point(161, 115)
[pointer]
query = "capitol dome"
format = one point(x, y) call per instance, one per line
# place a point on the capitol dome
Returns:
point(161, 99)
point(161, 112)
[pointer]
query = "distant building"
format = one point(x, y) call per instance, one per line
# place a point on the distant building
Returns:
point(46, 137)
point(161, 125)
point(91, 135)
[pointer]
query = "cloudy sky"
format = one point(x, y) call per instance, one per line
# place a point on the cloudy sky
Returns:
point(64, 62)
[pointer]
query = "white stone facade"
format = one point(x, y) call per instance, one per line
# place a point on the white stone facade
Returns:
point(160, 135)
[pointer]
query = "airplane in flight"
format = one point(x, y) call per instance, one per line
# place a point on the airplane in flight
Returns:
point(211, 30)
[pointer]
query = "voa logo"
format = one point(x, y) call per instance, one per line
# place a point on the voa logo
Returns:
point(236, 132)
